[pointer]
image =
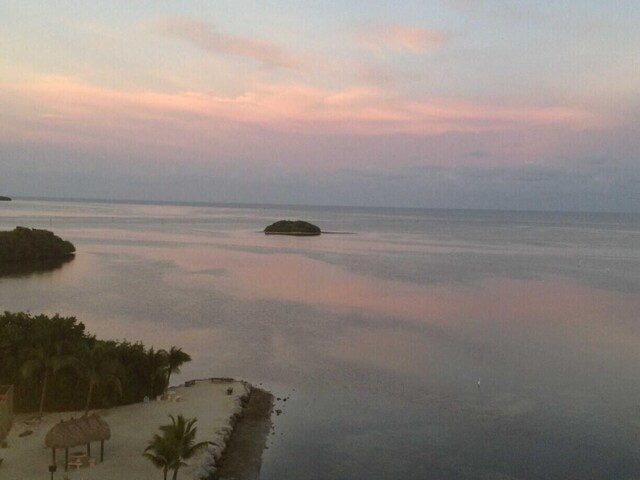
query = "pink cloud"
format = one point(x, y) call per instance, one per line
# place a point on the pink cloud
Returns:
point(66, 110)
point(372, 74)
point(383, 38)
point(207, 37)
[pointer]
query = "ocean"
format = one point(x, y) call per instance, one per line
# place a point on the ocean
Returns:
point(413, 344)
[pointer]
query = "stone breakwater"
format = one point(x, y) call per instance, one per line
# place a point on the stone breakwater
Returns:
point(217, 449)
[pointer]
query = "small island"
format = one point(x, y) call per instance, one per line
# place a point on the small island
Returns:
point(31, 244)
point(291, 227)
point(4, 199)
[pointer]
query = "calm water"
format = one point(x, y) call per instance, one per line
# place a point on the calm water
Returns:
point(379, 336)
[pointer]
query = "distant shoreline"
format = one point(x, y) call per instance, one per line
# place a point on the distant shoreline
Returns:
point(397, 209)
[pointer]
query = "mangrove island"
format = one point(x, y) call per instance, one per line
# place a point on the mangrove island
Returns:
point(31, 244)
point(4, 199)
point(291, 227)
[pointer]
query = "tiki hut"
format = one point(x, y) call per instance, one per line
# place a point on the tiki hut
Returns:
point(76, 432)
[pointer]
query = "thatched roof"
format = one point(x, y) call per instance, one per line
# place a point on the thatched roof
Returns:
point(75, 432)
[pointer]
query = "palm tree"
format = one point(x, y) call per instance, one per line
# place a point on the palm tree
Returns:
point(175, 445)
point(98, 367)
point(13, 353)
point(45, 359)
point(175, 358)
point(154, 369)
point(160, 452)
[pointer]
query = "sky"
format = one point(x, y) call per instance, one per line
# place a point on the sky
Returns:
point(500, 104)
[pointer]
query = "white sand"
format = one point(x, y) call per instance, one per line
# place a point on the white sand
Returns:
point(132, 427)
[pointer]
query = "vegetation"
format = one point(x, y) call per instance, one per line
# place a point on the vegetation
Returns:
point(55, 365)
point(98, 366)
point(45, 359)
point(30, 244)
point(175, 357)
point(154, 369)
point(291, 227)
point(160, 452)
point(4, 199)
point(175, 444)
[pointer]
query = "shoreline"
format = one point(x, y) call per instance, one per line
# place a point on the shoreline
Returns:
point(219, 413)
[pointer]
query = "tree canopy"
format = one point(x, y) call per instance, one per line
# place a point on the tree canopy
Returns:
point(292, 227)
point(30, 244)
point(175, 357)
point(54, 364)
point(175, 444)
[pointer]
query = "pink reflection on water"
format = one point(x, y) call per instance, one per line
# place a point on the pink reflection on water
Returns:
point(297, 278)
point(533, 318)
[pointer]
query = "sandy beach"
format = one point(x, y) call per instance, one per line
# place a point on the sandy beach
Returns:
point(132, 426)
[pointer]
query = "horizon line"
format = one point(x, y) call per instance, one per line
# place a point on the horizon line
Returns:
point(207, 203)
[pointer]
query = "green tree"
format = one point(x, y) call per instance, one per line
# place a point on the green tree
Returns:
point(161, 453)
point(175, 358)
point(47, 354)
point(155, 370)
point(176, 445)
point(13, 352)
point(46, 360)
point(98, 367)
point(32, 350)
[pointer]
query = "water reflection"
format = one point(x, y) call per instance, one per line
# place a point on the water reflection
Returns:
point(384, 334)
point(298, 278)
point(26, 269)
point(554, 331)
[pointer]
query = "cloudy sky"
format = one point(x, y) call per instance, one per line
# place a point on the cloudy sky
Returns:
point(518, 104)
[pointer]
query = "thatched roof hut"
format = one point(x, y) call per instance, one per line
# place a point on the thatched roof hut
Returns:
point(75, 432)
